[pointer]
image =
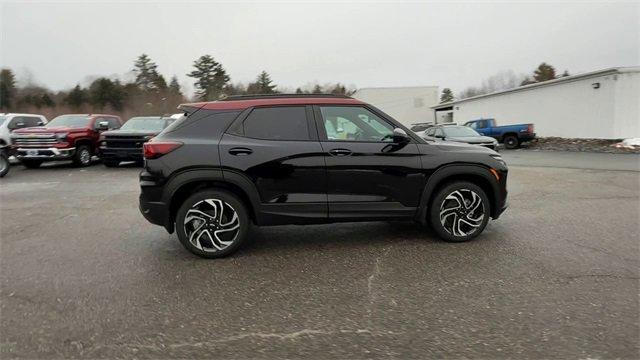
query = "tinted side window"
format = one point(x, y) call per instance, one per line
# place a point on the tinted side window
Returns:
point(31, 121)
point(277, 123)
point(439, 132)
point(113, 123)
point(354, 123)
point(17, 122)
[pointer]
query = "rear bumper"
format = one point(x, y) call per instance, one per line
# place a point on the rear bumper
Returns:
point(527, 136)
point(44, 154)
point(154, 211)
point(152, 205)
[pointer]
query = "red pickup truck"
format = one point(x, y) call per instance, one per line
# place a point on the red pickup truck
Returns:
point(67, 137)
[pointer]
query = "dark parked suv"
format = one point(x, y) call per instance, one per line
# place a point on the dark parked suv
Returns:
point(125, 143)
point(287, 159)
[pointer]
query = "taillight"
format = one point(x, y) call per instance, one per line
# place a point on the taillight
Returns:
point(530, 129)
point(153, 150)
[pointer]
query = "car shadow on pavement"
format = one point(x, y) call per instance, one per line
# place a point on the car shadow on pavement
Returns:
point(54, 165)
point(333, 236)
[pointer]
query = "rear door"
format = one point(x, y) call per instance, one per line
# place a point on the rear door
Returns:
point(277, 148)
point(367, 174)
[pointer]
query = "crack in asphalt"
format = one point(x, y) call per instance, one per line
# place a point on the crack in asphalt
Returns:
point(242, 336)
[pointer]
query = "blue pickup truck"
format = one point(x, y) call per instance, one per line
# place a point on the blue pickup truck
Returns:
point(510, 135)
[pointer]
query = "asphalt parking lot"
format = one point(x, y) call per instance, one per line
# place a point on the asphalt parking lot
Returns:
point(84, 275)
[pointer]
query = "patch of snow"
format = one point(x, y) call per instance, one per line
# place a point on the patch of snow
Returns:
point(629, 143)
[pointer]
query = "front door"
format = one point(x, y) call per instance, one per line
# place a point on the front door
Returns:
point(368, 175)
point(277, 148)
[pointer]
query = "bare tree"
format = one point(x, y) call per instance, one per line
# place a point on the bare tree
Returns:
point(503, 80)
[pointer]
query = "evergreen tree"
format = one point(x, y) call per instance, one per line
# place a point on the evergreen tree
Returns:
point(565, 73)
point(544, 72)
point(262, 85)
point(76, 97)
point(147, 76)
point(317, 89)
point(174, 86)
point(105, 92)
point(339, 89)
point(211, 78)
point(299, 91)
point(7, 88)
point(46, 100)
point(447, 95)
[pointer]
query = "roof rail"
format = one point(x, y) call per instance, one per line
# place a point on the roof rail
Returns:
point(285, 96)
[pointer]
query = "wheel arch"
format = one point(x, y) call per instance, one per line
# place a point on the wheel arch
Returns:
point(476, 174)
point(187, 183)
point(84, 141)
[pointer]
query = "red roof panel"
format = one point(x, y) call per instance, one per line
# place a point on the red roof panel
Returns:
point(243, 104)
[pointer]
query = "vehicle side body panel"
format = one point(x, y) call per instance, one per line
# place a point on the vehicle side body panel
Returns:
point(303, 182)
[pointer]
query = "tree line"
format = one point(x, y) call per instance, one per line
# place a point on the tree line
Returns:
point(504, 80)
point(149, 93)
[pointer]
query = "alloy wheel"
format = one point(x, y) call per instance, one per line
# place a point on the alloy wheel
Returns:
point(462, 212)
point(85, 157)
point(211, 225)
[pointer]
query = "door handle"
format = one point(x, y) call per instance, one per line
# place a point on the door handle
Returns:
point(340, 152)
point(240, 151)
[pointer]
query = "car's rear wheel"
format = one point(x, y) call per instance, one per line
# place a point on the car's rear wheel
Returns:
point(511, 142)
point(82, 157)
point(459, 211)
point(31, 164)
point(212, 223)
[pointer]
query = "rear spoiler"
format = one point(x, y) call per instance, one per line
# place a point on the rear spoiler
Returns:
point(188, 109)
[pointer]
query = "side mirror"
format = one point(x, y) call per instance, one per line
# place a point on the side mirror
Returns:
point(40, 123)
point(400, 136)
point(103, 125)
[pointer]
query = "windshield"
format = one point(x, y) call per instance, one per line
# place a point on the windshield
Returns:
point(73, 121)
point(150, 123)
point(459, 131)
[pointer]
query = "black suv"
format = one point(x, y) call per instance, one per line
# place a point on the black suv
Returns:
point(125, 143)
point(287, 159)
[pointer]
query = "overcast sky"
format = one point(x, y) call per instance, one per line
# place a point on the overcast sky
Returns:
point(366, 44)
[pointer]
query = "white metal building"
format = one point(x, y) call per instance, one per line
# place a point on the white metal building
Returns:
point(408, 105)
point(602, 104)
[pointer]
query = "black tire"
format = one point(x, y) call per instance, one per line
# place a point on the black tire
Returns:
point(4, 164)
point(207, 247)
point(82, 157)
point(468, 218)
point(31, 164)
point(511, 142)
point(111, 163)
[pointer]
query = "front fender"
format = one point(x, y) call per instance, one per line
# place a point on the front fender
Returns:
point(452, 171)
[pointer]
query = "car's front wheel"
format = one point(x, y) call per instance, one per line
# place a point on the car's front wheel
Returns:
point(459, 211)
point(212, 223)
point(82, 157)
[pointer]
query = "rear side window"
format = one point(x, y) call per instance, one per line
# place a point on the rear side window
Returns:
point(277, 123)
point(32, 121)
